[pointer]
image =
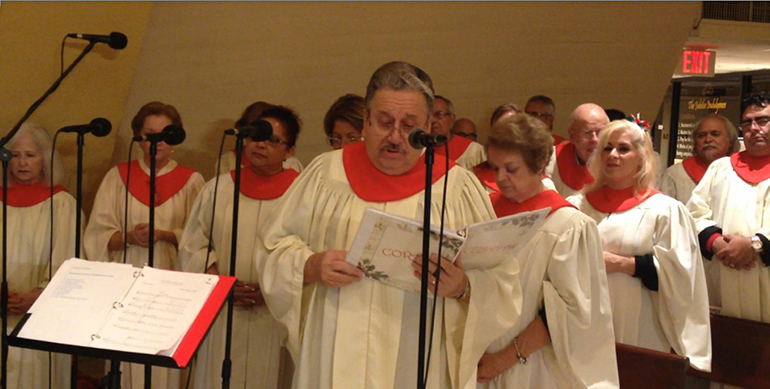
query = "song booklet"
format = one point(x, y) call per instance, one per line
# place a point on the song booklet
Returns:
point(119, 307)
point(386, 244)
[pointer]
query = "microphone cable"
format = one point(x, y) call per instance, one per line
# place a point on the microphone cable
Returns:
point(214, 206)
point(125, 202)
point(50, 237)
point(438, 267)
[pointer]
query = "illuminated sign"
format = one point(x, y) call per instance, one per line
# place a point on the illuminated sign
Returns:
point(696, 63)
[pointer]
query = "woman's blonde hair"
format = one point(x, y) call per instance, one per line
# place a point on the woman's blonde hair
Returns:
point(640, 141)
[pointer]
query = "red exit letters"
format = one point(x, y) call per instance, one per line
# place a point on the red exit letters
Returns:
point(696, 62)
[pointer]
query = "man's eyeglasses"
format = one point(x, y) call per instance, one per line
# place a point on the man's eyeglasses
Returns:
point(539, 115)
point(469, 136)
point(761, 121)
point(337, 142)
point(440, 114)
point(589, 134)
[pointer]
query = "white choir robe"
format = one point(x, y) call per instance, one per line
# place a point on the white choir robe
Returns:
point(472, 156)
point(562, 268)
point(677, 183)
point(256, 336)
point(28, 253)
point(107, 219)
point(365, 335)
point(725, 200)
point(677, 315)
point(660, 170)
point(227, 163)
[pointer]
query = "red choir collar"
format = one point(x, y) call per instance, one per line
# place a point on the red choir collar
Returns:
point(373, 185)
point(20, 195)
point(751, 169)
point(695, 168)
point(259, 187)
point(166, 186)
point(486, 175)
point(546, 198)
point(608, 200)
point(571, 172)
point(457, 146)
point(557, 140)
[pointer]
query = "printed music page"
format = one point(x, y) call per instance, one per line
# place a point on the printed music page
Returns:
point(71, 308)
point(156, 312)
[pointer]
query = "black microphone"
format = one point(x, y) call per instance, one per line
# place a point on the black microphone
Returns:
point(115, 40)
point(172, 135)
point(419, 139)
point(258, 131)
point(99, 127)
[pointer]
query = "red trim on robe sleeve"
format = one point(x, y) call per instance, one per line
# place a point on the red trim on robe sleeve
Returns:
point(259, 187)
point(751, 169)
point(20, 195)
point(457, 146)
point(571, 173)
point(166, 186)
point(608, 200)
point(547, 198)
point(695, 168)
point(372, 185)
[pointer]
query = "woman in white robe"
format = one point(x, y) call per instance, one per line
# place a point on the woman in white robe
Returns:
point(256, 336)
point(655, 274)
point(563, 278)
point(29, 248)
point(177, 187)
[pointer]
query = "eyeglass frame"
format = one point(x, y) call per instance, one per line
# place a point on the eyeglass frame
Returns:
point(274, 141)
point(343, 141)
point(747, 124)
point(441, 114)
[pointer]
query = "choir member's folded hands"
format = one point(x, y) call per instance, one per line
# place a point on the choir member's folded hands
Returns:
point(452, 281)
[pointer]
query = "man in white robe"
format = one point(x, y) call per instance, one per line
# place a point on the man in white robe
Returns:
point(714, 137)
point(346, 331)
point(732, 214)
point(570, 174)
point(463, 151)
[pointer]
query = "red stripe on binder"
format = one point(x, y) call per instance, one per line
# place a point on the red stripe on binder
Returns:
point(206, 316)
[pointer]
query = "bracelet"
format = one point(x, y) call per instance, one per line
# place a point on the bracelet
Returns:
point(466, 291)
point(522, 360)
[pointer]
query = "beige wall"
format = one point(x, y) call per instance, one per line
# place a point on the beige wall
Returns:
point(210, 60)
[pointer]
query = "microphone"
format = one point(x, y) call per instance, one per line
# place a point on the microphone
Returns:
point(172, 135)
point(419, 139)
point(99, 127)
point(258, 131)
point(115, 40)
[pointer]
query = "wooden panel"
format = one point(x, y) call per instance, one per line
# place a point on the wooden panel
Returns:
point(644, 368)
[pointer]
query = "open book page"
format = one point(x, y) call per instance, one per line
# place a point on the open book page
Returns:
point(490, 243)
point(71, 308)
point(156, 312)
point(385, 246)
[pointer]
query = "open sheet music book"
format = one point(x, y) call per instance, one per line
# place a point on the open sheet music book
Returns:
point(118, 307)
point(386, 244)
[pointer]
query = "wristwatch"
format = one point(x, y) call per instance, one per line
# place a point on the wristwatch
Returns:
point(756, 244)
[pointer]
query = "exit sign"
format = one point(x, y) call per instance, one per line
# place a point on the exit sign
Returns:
point(696, 63)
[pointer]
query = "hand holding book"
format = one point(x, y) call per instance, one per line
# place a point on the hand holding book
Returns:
point(452, 279)
point(329, 268)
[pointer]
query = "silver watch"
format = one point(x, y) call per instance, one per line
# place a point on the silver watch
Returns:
point(756, 243)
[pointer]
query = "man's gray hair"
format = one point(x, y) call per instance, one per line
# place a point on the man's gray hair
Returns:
point(732, 133)
point(449, 106)
point(400, 76)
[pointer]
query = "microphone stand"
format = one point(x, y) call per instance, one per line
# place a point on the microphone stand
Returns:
point(6, 155)
point(421, 371)
point(151, 239)
point(227, 363)
point(78, 207)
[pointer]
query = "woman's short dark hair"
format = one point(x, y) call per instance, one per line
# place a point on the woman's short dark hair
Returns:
point(155, 108)
point(251, 113)
point(288, 118)
point(349, 109)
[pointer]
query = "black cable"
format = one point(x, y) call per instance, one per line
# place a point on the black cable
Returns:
point(50, 239)
point(438, 267)
point(125, 205)
point(214, 207)
point(61, 56)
